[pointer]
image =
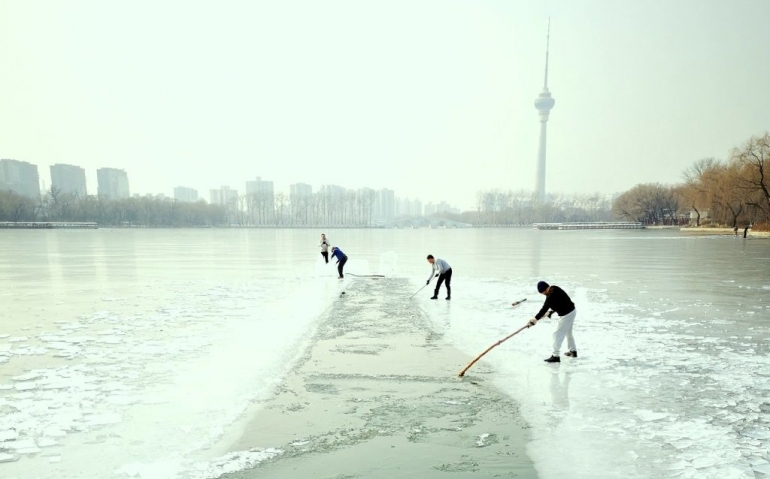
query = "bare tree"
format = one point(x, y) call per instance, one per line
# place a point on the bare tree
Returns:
point(753, 161)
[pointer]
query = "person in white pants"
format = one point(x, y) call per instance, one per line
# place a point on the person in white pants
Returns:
point(558, 301)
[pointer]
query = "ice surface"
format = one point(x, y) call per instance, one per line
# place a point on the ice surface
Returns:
point(233, 462)
point(652, 394)
point(133, 381)
point(656, 393)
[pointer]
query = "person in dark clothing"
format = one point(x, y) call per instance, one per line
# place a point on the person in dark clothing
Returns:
point(745, 231)
point(325, 248)
point(341, 260)
point(556, 300)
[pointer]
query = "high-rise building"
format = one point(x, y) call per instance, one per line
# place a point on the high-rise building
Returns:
point(300, 190)
point(20, 177)
point(367, 199)
point(544, 103)
point(300, 203)
point(385, 204)
point(260, 201)
point(443, 207)
point(113, 183)
point(185, 195)
point(416, 207)
point(224, 196)
point(407, 207)
point(331, 201)
point(69, 179)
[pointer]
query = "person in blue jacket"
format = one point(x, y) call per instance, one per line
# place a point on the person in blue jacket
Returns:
point(342, 258)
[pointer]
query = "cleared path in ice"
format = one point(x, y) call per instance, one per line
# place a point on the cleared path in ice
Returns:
point(376, 395)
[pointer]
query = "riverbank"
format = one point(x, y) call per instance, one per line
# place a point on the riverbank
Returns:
point(724, 232)
point(376, 395)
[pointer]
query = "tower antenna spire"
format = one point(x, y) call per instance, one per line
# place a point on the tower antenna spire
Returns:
point(547, 47)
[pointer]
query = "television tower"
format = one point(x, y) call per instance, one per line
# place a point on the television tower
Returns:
point(543, 103)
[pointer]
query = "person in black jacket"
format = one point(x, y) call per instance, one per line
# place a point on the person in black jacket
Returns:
point(557, 301)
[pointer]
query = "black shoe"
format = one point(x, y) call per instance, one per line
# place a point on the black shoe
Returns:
point(572, 354)
point(434, 297)
point(553, 359)
point(448, 298)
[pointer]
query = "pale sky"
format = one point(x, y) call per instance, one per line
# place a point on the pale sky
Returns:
point(433, 99)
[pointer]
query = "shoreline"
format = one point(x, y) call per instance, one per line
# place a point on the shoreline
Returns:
point(700, 230)
point(376, 395)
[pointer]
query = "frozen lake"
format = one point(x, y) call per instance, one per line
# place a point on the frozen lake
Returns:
point(139, 353)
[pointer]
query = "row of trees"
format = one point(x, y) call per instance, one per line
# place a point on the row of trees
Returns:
point(511, 208)
point(730, 192)
point(326, 207)
point(347, 208)
point(144, 211)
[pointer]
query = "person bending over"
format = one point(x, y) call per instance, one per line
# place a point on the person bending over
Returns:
point(341, 260)
point(443, 272)
point(558, 301)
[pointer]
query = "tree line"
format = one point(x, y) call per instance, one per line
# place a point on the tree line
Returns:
point(338, 208)
point(520, 208)
point(137, 211)
point(343, 209)
point(732, 192)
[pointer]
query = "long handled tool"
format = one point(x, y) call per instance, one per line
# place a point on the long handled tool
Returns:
point(367, 275)
point(516, 303)
point(462, 373)
point(412, 296)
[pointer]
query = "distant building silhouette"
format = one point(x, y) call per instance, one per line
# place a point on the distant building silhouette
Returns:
point(20, 177)
point(260, 202)
point(301, 203)
point(69, 179)
point(443, 207)
point(385, 205)
point(300, 190)
point(185, 194)
point(224, 196)
point(407, 207)
point(113, 183)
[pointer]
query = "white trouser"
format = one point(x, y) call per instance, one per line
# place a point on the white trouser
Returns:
point(564, 328)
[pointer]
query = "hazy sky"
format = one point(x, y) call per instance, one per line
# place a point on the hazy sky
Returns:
point(431, 98)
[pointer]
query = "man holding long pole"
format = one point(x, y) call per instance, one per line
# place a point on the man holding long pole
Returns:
point(558, 301)
point(443, 272)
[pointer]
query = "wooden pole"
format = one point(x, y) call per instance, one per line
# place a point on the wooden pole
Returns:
point(462, 373)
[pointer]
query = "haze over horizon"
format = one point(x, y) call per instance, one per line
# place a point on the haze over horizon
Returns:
point(433, 100)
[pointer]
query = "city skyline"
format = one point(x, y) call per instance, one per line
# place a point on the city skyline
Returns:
point(114, 184)
point(340, 99)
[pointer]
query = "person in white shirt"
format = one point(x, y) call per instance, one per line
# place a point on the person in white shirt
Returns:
point(443, 272)
point(325, 248)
